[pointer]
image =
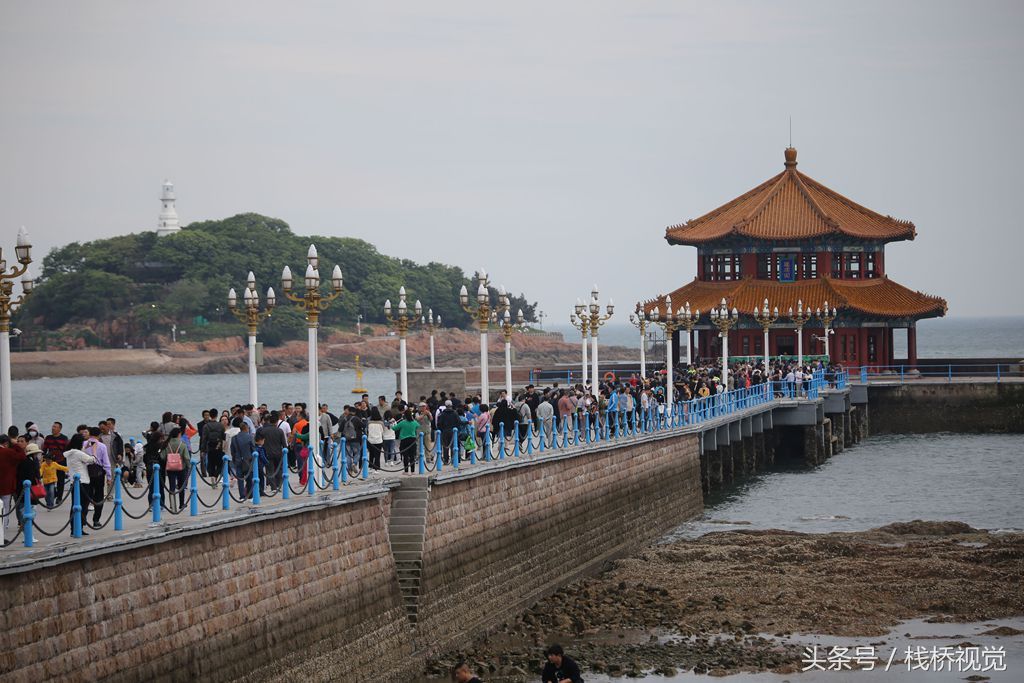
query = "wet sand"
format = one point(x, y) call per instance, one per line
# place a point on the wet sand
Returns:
point(731, 601)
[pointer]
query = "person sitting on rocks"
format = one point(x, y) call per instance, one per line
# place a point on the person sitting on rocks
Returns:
point(560, 667)
point(461, 673)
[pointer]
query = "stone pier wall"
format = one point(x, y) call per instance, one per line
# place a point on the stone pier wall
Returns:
point(947, 407)
point(498, 542)
point(317, 587)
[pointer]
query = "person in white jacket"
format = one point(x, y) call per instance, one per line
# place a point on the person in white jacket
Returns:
point(78, 462)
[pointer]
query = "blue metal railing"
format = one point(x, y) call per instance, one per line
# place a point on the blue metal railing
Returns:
point(943, 371)
point(581, 430)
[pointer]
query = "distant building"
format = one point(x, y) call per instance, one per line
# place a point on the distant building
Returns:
point(790, 240)
point(167, 223)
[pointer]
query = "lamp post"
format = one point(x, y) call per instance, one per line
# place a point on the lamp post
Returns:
point(765, 317)
point(826, 321)
point(725, 320)
point(799, 320)
point(401, 323)
point(312, 301)
point(640, 322)
point(581, 321)
point(687, 321)
point(671, 322)
point(252, 316)
point(23, 252)
point(482, 314)
point(596, 320)
point(508, 327)
point(430, 323)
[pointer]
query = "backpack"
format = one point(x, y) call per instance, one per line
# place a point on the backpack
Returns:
point(350, 428)
point(174, 459)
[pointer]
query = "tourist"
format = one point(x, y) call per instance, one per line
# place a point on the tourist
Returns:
point(99, 473)
point(12, 454)
point(48, 471)
point(560, 667)
point(151, 454)
point(78, 463)
point(274, 443)
point(242, 448)
point(353, 431)
point(54, 445)
point(32, 435)
point(406, 430)
point(212, 445)
point(482, 423)
point(426, 428)
point(461, 673)
point(447, 424)
point(375, 437)
point(546, 418)
point(174, 461)
point(390, 447)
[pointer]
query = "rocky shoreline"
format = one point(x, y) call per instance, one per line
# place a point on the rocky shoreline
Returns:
point(338, 350)
point(729, 601)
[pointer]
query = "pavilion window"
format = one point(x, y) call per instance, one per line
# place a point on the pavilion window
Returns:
point(764, 266)
point(746, 345)
point(870, 267)
point(837, 266)
point(722, 267)
point(758, 345)
point(872, 350)
point(809, 266)
point(852, 270)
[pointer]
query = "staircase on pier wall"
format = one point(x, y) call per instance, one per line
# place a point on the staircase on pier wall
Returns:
point(406, 529)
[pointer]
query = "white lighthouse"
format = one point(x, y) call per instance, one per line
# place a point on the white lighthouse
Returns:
point(167, 224)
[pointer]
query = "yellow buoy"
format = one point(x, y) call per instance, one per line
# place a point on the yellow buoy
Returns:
point(359, 380)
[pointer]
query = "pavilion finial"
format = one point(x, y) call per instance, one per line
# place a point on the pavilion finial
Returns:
point(791, 157)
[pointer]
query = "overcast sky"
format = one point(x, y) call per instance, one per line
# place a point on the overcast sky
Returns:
point(550, 142)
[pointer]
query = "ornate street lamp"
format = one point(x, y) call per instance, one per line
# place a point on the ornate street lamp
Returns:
point(252, 316)
point(508, 327)
point(596, 320)
point(23, 252)
point(725, 320)
point(765, 318)
point(800, 319)
point(640, 322)
point(431, 324)
point(581, 322)
point(687, 321)
point(826, 319)
point(401, 322)
point(671, 322)
point(481, 312)
point(312, 302)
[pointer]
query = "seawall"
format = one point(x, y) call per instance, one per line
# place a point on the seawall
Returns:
point(967, 407)
point(313, 592)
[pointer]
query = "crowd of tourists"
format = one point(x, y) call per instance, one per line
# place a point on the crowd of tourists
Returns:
point(247, 443)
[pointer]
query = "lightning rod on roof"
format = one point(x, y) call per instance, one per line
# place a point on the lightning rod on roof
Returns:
point(790, 131)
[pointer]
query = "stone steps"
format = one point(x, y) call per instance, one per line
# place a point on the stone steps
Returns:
point(406, 529)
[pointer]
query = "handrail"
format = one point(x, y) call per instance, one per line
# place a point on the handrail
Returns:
point(948, 371)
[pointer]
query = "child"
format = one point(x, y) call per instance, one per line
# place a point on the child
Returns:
point(48, 473)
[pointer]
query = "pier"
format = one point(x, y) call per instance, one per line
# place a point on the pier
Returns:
point(387, 569)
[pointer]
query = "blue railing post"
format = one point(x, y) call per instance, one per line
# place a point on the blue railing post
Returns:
point(998, 376)
point(565, 431)
point(472, 451)
point(157, 493)
point(193, 489)
point(335, 473)
point(366, 460)
point(310, 484)
point(27, 514)
point(439, 451)
point(487, 443)
point(540, 441)
point(343, 449)
point(225, 484)
point(455, 447)
point(950, 372)
point(575, 429)
point(515, 439)
point(118, 501)
point(529, 438)
point(76, 507)
point(422, 453)
point(255, 478)
point(286, 491)
point(501, 441)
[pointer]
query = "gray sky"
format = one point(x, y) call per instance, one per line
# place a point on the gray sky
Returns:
point(549, 142)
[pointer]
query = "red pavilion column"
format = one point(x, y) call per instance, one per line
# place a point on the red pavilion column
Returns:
point(912, 345)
